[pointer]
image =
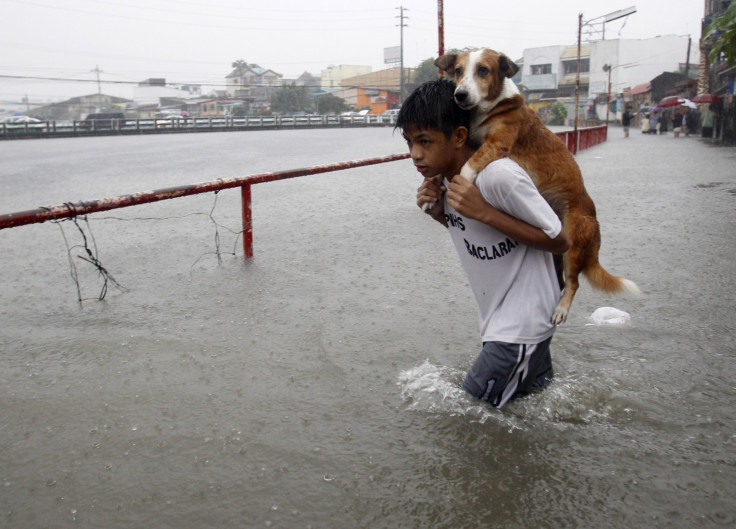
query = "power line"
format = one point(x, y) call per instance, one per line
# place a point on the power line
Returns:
point(385, 86)
point(280, 21)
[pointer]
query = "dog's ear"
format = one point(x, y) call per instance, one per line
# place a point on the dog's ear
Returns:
point(507, 67)
point(446, 63)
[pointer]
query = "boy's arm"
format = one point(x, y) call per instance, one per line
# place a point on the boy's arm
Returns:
point(468, 201)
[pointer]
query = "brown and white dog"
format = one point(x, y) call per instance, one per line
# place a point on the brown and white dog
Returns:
point(504, 126)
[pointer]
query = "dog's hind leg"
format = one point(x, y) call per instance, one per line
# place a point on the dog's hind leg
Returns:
point(572, 273)
point(585, 240)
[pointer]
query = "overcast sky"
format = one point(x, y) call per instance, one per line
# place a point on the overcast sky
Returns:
point(196, 41)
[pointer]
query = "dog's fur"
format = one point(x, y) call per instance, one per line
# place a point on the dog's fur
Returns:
point(504, 126)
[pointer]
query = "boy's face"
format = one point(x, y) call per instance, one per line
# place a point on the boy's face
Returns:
point(431, 151)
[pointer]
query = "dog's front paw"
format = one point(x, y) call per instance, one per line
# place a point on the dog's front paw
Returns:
point(427, 206)
point(468, 173)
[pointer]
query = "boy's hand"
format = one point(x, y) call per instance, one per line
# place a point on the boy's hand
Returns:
point(431, 191)
point(466, 198)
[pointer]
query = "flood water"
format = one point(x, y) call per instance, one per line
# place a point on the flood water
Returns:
point(316, 385)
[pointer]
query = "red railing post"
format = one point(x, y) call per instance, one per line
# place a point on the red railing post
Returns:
point(247, 221)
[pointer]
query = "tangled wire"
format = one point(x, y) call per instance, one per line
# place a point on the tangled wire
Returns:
point(90, 254)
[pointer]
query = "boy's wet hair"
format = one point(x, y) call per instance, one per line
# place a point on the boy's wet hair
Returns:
point(432, 106)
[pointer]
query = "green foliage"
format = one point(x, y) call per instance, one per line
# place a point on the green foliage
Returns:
point(722, 32)
point(426, 71)
point(558, 113)
point(330, 104)
point(239, 111)
point(290, 99)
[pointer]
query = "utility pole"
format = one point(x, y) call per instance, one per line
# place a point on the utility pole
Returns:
point(401, 18)
point(577, 86)
point(98, 72)
point(441, 27)
point(99, 88)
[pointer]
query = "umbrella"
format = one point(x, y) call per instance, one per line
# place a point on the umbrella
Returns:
point(671, 101)
point(706, 98)
point(689, 104)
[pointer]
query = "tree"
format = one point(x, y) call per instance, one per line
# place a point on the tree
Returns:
point(426, 71)
point(558, 113)
point(330, 104)
point(239, 65)
point(290, 99)
point(239, 111)
point(722, 33)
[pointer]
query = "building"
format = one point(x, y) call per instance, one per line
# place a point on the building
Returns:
point(333, 76)
point(550, 73)
point(308, 80)
point(253, 84)
point(718, 77)
point(713, 78)
point(378, 91)
point(151, 91)
point(78, 107)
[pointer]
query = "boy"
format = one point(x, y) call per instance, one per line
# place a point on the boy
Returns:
point(503, 231)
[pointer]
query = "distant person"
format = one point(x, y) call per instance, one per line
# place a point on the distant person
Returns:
point(645, 121)
point(654, 122)
point(677, 123)
point(626, 120)
point(504, 233)
point(693, 121)
point(664, 122)
point(686, 122)
point(706, 129)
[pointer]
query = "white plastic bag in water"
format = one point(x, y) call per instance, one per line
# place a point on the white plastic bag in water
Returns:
point(610, 316)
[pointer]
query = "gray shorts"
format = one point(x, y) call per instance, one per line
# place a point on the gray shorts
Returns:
point(506, 371)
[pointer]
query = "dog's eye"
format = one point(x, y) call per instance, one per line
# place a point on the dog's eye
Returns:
point(482, 71)
point(458, 71)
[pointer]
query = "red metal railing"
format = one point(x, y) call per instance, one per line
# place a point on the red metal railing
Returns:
point(71, 209)
point(583, 138)
point(575, 140)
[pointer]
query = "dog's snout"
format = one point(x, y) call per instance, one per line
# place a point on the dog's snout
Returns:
point(461, 95)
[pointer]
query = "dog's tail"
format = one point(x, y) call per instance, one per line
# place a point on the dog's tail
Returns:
point(599, 278)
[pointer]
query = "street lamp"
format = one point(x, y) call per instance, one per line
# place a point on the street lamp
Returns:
point(610, 17)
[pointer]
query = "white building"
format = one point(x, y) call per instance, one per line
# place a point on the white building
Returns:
point(332, 76)
point(150, 91)
point(550, 72)
point(253, 84)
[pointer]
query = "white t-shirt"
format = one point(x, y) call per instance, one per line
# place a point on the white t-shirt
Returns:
point(515, 286)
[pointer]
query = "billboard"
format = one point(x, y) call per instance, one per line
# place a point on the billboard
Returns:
point(392, 55)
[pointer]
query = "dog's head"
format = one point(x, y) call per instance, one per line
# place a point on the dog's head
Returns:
point(479, 75)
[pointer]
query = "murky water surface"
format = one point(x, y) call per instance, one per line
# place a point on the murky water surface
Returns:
point(316, 385)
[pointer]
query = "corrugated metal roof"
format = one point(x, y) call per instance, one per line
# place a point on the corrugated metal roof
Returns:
point(572, 52)
point(641, 88)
